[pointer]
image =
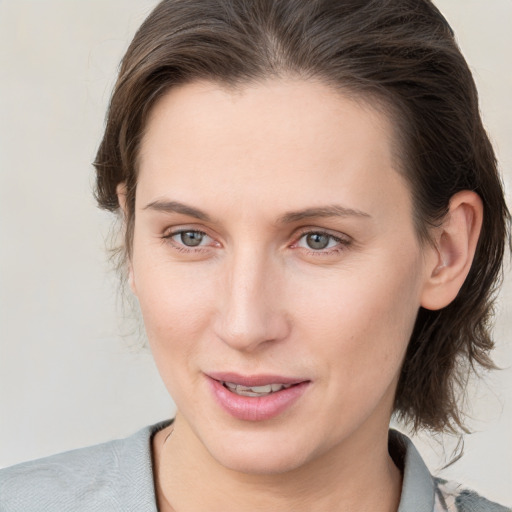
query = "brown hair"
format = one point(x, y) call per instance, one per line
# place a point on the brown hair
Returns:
point(400, 54)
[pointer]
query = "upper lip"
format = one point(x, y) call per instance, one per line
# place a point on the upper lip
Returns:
point(254, 380)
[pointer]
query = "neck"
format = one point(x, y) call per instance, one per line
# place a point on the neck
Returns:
point(357, 475)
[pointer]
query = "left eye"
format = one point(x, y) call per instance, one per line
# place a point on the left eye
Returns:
point(190, 238)
point(318, 241)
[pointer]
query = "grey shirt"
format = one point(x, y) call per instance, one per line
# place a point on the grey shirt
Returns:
point(117, 477)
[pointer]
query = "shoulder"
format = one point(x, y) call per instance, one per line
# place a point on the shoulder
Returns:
point(58, 480)
point(454, 497)
point(421, 492)
point(112, 476)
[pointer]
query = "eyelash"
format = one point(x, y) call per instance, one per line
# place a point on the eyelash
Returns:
point(342, 243)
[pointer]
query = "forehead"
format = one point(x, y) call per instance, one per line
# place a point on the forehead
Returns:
point(289, 109)
point(290, 139)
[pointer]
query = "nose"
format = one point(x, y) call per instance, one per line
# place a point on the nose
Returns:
point(252, 310)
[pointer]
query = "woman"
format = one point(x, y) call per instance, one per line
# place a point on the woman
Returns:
point(314, 228)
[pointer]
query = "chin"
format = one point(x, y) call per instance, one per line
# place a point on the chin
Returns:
point(259, 458)
point(260, 464)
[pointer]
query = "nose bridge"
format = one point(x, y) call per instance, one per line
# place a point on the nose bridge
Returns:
point(250, 313)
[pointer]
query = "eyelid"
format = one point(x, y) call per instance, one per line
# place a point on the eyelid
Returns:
point(171, 230)
point(323, 231)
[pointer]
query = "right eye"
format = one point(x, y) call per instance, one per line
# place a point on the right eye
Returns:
point(188, 239)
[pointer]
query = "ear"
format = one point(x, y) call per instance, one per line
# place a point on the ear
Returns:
point(121, 197)
point(454, 249)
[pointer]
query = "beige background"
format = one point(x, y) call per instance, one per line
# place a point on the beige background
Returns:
point(67, 376)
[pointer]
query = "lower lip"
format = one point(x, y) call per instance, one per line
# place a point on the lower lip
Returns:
point(257, 408)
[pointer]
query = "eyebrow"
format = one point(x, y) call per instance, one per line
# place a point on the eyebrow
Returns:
point(288, 218)
point(177, 207)
point(323, 211)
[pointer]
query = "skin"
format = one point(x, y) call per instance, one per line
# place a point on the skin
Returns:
point(254, 298)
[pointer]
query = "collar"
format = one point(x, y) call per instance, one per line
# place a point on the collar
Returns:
point(418, 486)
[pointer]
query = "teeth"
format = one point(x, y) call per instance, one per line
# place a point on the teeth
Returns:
point(255, 390)
point(261, 389)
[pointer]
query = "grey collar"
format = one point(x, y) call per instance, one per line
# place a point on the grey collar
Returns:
point(418, 485)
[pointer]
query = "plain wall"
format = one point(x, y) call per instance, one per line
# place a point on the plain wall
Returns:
point(69, 377)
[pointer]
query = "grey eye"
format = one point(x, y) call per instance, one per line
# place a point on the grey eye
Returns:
point(191, 238)
point(317, 241)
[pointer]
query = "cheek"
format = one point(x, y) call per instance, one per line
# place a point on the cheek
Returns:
point(357, 332)
point(176, 308)
point(362, 321)
point(173, 325)
point(169, 307)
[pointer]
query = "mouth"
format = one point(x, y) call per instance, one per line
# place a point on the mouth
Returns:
point(255, 391)
point(257, 397)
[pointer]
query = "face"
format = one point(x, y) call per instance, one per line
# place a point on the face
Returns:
point(277, 269)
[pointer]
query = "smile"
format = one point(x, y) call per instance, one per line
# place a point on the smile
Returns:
point(255, 391)
point(257, 397)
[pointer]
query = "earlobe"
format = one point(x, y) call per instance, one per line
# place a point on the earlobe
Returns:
point(121, 197)
point(131, 280)
point(455, 246)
